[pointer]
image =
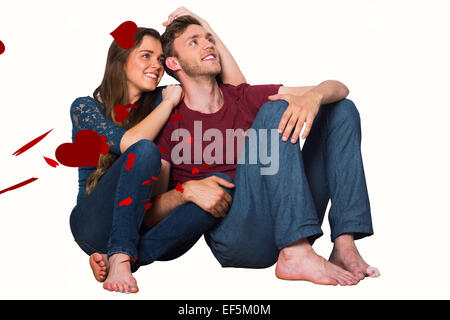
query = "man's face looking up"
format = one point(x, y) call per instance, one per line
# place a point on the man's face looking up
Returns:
point(197, 52)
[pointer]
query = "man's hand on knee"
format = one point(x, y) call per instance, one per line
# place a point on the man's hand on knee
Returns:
point(209, 195)
point(301, 109)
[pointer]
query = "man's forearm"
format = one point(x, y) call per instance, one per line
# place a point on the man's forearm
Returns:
point(330, 91)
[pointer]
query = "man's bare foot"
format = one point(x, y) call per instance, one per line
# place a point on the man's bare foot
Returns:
point(299, 262)
point(99, 265)
point(119, 276)
point(346, 255)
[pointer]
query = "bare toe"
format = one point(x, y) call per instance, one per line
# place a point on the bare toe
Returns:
point(98, 263)
point(373, 272)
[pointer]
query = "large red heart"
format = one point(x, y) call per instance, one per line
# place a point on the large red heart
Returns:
point(84, 152)
point(122, 111)
point(124, 34)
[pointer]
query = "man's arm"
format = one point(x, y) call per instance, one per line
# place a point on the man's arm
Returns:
point(304, 103)
point(330, 91)
point(206, 193)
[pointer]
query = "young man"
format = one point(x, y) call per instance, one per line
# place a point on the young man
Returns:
point(273, 217)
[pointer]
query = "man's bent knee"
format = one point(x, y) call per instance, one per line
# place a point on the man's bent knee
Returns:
point(223, 176)
point(269, 115)
point(344, 109)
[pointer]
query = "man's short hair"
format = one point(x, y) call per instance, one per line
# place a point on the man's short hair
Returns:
point(173, 31)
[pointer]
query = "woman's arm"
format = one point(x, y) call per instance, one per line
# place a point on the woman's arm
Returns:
point(152, 124)
point(231, 73)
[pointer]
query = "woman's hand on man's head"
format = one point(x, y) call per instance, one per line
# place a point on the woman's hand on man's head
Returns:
point(181, 11)
point(173, 94)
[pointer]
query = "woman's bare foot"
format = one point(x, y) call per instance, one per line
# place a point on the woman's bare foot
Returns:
point(119, 276)
point(299, 262)
point(99, 265)
point(346, 255)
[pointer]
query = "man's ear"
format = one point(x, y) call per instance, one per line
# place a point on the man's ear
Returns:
point(172, 64)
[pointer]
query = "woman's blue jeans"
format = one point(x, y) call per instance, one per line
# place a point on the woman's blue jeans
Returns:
point(269, 212)
point(99, 224)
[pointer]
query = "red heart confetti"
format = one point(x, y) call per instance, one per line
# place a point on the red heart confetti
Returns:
point(162, 150)
point(155, 178)
point(21, 184)
point(30, 144)
point(84, 152)
point(179, 187)
point(2, 47)
point(129, 260)
point(195, 171)
point(190, 140)
point(124, 34)
point(126, 202)
point(51, 162)
point(176, 117)
point(147, 182)
point(122, 112)
point(206, 166)
point(147, 206)
point(130, 161)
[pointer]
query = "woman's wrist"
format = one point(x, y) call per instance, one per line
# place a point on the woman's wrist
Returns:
point(168, 103)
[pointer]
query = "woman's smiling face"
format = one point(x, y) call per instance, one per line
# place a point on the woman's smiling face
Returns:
point(145, 66)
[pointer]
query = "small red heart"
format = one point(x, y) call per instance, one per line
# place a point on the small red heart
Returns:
point(190, 140)
point(176, 117)
point(124, 34)
point(2, 47)
point(195, 171)
point(84, 152)
point(206, 166)
point(179, 187)
point(130, 161)
point(122, 112)
point(162, 150)
point(126, 202)
point(51, 162)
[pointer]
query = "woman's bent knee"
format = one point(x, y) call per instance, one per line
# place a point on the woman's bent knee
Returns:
point(145, 152)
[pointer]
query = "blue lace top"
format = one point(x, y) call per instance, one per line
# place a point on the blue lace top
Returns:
point(87, 113)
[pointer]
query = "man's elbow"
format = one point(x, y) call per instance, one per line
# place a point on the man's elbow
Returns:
point(345, 91)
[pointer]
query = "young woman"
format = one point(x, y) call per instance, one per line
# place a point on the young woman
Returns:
point(107, 221)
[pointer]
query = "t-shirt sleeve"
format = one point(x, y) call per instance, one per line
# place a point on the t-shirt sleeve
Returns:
point(255, 96)
point(164, 143)
point(86, 113)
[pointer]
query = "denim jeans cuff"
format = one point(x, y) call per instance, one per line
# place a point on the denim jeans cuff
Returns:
point(359, 231)
point(131, 253)
point(310, 232)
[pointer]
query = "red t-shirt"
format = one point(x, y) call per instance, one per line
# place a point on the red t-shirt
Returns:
point(202, 143)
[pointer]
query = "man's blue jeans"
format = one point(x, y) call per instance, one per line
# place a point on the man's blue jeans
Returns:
point(269, 212)
point(99, 224)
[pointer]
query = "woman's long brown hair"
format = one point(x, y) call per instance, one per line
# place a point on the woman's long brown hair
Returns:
point(113, 91)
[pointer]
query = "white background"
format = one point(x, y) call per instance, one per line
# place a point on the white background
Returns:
point(393, 55)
